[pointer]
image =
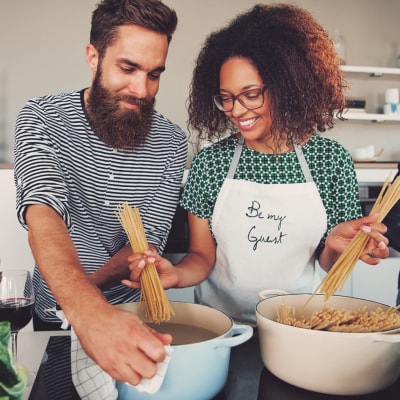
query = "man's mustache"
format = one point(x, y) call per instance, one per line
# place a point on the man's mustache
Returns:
point(135, 100)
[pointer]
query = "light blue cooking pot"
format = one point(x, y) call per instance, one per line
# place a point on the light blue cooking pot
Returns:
point(196, 371)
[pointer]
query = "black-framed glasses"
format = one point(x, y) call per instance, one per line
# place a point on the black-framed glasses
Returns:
point(250, 99)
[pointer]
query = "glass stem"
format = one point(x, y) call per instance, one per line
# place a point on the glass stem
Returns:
point(14, 346)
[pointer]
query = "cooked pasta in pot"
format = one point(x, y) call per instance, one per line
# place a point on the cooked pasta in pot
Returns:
point(331, 319)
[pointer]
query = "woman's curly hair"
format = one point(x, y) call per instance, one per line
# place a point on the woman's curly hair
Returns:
point(294, 57)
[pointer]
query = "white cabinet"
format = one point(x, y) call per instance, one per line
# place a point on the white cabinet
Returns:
point(367, 127)
point(373, 282)
point(377, 282)
point(354, 116)
point(368, 75)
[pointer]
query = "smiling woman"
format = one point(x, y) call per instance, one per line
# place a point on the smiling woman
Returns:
point(244, 193)
point(274, 196)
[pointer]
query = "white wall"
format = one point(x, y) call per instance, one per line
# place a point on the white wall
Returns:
point(14, 249)
point(42, 47)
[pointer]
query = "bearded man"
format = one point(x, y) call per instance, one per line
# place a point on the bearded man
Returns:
point(78, 156)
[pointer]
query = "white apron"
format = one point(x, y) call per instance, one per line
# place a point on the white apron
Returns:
point(266, 238)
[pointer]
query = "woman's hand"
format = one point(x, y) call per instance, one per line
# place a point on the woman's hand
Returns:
point(342, 234)
point(137, 261)
point(377, 245)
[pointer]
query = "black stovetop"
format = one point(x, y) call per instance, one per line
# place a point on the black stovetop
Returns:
point(54, 382)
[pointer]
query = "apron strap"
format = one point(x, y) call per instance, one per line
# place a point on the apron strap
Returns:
point(297, 148)
point(303, 163)
point(235, 159)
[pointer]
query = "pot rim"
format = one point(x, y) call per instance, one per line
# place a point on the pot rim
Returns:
point(224, 335)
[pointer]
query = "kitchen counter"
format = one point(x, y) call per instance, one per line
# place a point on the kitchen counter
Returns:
point(53, 381)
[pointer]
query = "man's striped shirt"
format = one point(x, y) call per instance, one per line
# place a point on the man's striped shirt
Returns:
point(60, 162)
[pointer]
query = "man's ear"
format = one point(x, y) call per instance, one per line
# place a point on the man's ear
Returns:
point(92, 57)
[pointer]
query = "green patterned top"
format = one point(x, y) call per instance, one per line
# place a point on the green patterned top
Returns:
point(329, 162)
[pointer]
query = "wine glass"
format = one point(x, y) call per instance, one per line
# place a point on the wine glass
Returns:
point(16, 302)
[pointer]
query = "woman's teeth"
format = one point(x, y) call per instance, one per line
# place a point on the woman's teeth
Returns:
point(248, 122)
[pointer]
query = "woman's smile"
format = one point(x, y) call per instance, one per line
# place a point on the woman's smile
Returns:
point(247, 124)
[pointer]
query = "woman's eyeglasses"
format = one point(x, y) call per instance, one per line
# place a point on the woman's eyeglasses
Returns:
point(250, 99)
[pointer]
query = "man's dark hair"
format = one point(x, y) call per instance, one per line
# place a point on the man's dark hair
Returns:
point(110, 14)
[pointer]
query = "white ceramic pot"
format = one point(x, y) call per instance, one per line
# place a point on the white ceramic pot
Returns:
point(328, 362)
point(196, 371)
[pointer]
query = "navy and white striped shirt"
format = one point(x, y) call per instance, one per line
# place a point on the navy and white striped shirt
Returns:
point(60, 162)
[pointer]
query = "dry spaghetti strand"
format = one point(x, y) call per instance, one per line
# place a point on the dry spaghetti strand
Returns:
point(344, 265)
point(158, 307)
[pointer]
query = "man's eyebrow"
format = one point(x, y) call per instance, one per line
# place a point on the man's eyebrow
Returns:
point(139, 66)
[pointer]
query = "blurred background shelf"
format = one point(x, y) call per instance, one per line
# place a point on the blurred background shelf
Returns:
point(373, 72)
point(360, 116)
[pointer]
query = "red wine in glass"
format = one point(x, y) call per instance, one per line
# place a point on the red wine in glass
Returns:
point(16, 302)
point(17, 311)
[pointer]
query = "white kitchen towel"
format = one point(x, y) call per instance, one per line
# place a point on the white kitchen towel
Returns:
point(92, 383)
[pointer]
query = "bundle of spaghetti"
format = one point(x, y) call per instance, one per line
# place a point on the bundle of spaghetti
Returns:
point(335, 320)
point(158, 307)
point(344, 265)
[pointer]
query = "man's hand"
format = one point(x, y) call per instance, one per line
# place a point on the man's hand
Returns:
point(121, 344)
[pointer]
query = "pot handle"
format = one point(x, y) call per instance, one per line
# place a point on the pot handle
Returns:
point(240, 334)
point(264, 294)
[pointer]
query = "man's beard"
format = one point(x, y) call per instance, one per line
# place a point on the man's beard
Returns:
point(116, 126)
